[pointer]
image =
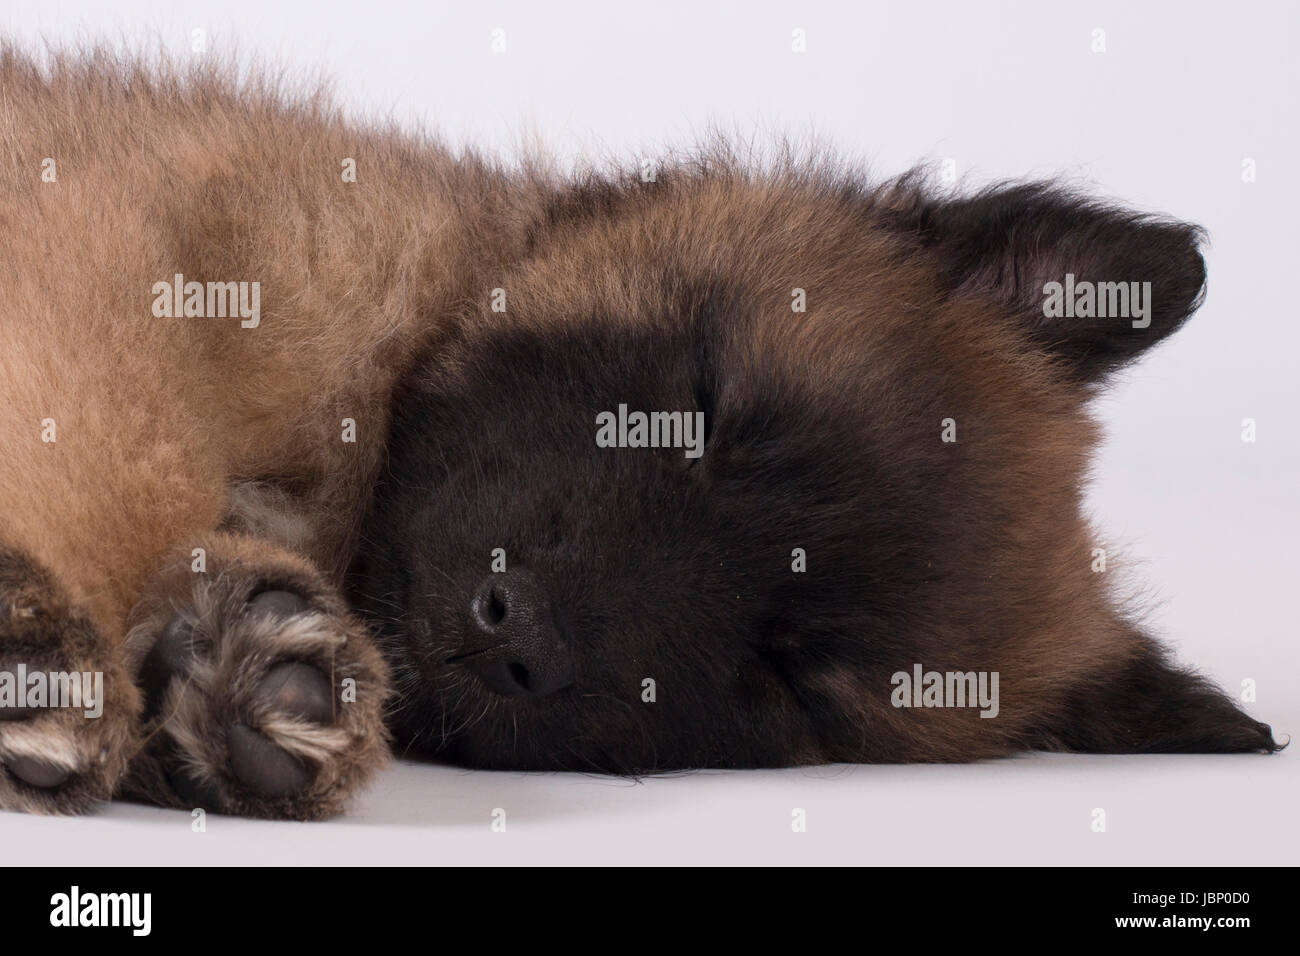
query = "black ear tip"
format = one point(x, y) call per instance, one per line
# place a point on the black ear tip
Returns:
point(1197, 271)
point(1051, 254)
point(1173, 258)
point(1177, 256)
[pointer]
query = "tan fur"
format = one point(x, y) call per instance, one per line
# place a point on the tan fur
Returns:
point(170, 428)
point(159, 176)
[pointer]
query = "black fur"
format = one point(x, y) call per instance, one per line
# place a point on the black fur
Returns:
point(1010, 240)
point(679, 571)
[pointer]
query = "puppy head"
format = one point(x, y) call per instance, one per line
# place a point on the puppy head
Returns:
point(860, 450)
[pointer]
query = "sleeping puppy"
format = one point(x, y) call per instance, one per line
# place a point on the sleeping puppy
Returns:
point(209, 291)
point(764, 469)
point(725, 469)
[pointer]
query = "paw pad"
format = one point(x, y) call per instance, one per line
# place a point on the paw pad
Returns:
point(37, 773)
point(290, 692)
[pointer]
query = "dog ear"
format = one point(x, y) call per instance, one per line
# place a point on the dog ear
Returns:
point(1151, 706)
point(1009, 242)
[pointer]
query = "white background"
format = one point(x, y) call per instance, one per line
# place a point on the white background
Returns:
point(1163, 119)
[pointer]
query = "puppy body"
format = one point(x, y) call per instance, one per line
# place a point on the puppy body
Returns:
point(131, 439)
point(180, 496)
point(160, 416)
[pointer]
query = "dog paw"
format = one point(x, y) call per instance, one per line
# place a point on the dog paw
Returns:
point(263, 696)
point(67, 707)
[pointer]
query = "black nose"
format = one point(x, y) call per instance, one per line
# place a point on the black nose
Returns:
point(524, 651)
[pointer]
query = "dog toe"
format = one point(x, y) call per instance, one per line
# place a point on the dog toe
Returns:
point(264, 767)
point(172, 656)
point(298, 690)
point(38, 773)
point(277, 604)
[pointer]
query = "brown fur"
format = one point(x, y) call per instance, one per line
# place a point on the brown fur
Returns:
point(169, 429)
point(186, 433)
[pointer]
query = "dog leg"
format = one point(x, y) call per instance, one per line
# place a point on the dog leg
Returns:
point(263, 695)
point(64, 742)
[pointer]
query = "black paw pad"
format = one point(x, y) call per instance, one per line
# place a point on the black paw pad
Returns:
point(298, 690)
point(171, 656)
point(37, 773)
point(263, 767)
point(277, 604)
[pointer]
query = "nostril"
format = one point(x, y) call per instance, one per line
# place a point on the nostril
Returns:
point(489, 608)
point(513, 676)
point(519, 674)
point(496, 607)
